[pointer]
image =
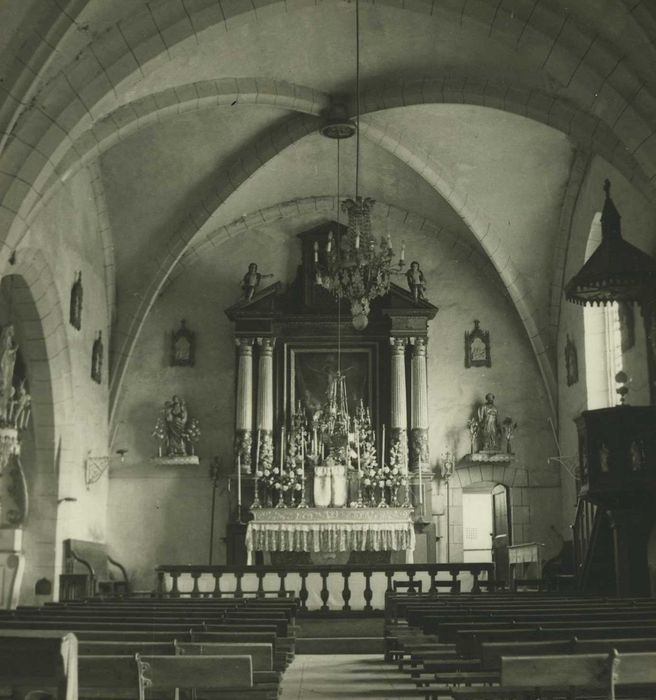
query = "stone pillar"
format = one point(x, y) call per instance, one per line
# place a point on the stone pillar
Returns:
point(265, 401)
point(419, 407)
point(244, 408)
point(399, 407)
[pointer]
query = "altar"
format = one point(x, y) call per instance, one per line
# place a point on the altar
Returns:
point(331, 456)
point(331, 530)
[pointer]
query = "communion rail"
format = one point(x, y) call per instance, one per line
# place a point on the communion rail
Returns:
point(325, 588)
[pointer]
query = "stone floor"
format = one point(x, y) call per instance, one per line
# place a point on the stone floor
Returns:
point(342, 677)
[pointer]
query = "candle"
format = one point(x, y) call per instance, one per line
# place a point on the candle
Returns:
point(239, 486)
point(389, 241)
point(315, 444)
point(357, 442)
point(329, 245)
point(402, 252)
point(257, 453)
point(421, 488)
point(282, 448)
point(357, 239)
point(302, 469)
point(316, 251)
point(382, 448)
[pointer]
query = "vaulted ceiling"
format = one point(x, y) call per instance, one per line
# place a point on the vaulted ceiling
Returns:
point(479, 117)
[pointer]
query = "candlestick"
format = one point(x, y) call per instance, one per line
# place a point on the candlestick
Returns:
point(382, 448)
point(239, 486)
point(302, 504)
point(359, 467)
point(329, 245)
point(256, 495)
point(389, 241)
point(316, 251)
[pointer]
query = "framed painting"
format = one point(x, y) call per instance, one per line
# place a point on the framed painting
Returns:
point(312, 369)
point(571, 362)
point(477, 347)
point(183, 347)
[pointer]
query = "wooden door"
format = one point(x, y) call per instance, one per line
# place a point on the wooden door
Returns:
point(501, 535)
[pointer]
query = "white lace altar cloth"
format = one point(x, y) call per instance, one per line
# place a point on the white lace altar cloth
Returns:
point(331, 530)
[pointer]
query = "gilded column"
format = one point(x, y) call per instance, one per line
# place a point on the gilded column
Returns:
point(244, 407)
point(265, 402)
point(399, 406)
point(419, 408)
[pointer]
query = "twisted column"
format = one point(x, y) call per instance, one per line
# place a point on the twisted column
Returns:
point(244, 405)
point(419, 407)
point(399, 407)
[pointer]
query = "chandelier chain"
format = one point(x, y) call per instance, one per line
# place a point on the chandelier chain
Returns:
point(357, 97)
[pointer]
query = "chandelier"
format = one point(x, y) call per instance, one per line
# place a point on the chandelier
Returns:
point(354, 267)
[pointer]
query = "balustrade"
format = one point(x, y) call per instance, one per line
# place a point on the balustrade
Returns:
point(327, 588)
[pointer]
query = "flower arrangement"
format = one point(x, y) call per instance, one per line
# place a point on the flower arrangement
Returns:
point(370, 474)
point(160, 433)
point(474, 426)
point(396, 475)
point(508, 430)
point(192, 433)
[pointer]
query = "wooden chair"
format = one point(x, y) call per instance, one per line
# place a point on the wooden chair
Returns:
point(87, 571)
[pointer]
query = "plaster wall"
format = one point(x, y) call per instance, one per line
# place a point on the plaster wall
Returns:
point(162, 515)
point(69, 409)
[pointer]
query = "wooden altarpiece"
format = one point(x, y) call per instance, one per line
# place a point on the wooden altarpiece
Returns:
point(286, 341)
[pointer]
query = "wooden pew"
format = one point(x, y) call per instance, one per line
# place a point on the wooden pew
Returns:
point(38, 661)
point(137, 676)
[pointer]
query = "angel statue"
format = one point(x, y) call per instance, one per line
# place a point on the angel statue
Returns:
point(416, 281)
point(251, 281)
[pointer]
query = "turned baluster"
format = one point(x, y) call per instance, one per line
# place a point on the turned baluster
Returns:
point(175, 591)
point(368, 593)
point(390, 576)
point(476, 588)
point(455, 584)
point(239, 593)
point(216, 593)
point(161, 591)
point(346, 591)
point(433, 583)
point(411, 581)
point(282, 593)
point(324, 589)
point(303, 593)
point(260, 584)
point(195, 591)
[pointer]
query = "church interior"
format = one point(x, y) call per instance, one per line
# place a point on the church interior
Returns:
point(343, 307)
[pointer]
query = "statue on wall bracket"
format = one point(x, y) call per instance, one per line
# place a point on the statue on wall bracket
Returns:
point(487, 432)
point(477, 347)
point(183, 347)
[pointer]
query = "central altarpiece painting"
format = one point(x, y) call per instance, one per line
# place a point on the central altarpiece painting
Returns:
point(331, 427)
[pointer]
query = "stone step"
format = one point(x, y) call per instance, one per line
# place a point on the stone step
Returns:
point(340, 645)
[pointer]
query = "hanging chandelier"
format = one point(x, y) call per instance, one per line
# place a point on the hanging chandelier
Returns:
point(354, 267)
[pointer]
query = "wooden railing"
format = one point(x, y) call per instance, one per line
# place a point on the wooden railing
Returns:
point(318, 582)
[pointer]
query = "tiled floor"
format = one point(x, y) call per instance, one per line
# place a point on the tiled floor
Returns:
point(342, 677)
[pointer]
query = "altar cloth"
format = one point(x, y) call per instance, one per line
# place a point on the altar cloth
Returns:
point(330, 530)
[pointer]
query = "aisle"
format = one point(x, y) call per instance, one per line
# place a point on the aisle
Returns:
point(342, 677)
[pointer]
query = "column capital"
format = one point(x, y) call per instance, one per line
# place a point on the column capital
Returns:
point(244, 345)
point(418, 344)
point(398, 344)
point(266, 344)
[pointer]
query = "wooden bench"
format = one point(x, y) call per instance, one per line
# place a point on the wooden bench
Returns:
point(139, 676)
point(35, 661)
point(87, 572)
